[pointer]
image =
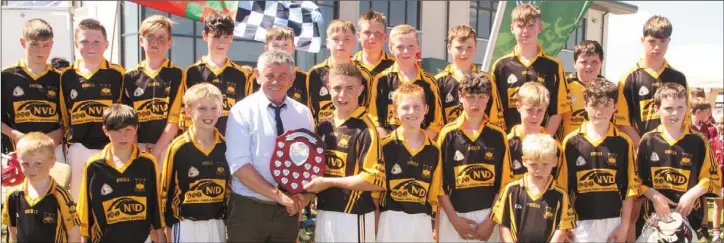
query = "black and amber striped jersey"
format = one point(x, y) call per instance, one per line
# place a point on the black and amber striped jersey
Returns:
point(383, 88)
point(84, 97)
point(47, 218)
point(636, 89)
point(298, 91)
point(29, 101)
point(320, 101)
point(515, 170)
point(383, 63)
point(472, 164)
point(119, 204)
point(231, 79)
point(602, 172)
point(195, 180)
point(352, 148)
point(413, 175)
point(156, 96)
point(672, 166)
point(512, 71)
point(533, 218)
point(572, 120)
point(449, 84)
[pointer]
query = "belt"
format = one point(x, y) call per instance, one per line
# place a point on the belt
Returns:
point(260, 201)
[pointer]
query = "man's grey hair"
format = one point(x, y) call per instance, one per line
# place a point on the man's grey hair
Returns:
point(274, 57)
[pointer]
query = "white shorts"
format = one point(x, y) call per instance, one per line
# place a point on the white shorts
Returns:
point(396, 226)
point(595, 230)
point(77, 156)
point(449, 234)
point(344, 227)
point(212, 230)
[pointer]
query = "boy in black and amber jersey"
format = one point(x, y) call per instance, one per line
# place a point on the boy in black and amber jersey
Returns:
point(473, 154)
point(42, 210)
point(345, 205)
point(30, 90)
point(534, 208)
point(601, 169)
point(676, 165)
point(413, 172)
point(528, 63)
point(372, 34)
point(340, 41)
point(533, 98)
point(195, 178)
point(587, 59)
point(461, 44)
point(153, 88)
point(404, 45)
point(217, 68)
point(282, 38)
point(119, 197)
point(86, 91)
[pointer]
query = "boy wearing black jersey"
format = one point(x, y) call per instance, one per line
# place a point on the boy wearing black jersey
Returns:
point(119, 198)
point(601, 169)
point(372, 34)
point(474, 151)
point(42, 210)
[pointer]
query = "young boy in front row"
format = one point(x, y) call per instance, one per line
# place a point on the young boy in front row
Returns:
point(474, 151)
point(676, 165)
point(195, 179)
point(42, 211)
point(601, 169)
point(534, 208)
point(413, 171)
point(119, 198)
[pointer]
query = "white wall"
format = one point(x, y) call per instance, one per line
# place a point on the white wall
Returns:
point(432, 21)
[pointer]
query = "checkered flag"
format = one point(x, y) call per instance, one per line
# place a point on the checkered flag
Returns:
point(254, 18)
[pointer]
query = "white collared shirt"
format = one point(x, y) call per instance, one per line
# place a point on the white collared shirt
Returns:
point(251, 134)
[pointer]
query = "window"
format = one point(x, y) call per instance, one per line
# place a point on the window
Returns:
point(482, 15)
point(577, 35)
point(397, 12)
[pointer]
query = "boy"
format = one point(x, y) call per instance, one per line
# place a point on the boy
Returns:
point(718, 146)
point(587, 59)
point(473, 154)
point(372, 34)
point(534, 208)
point(404, 46)
point(153, 88)
point(600, 161)
point(119, 198)
point(413, 172)
point(217, 68)
point(700, 116)
point(345, 204)
point(195, 177)
point(30, 90)
point(528, 63)
point(42, 210)
point(86, 90)
point(340, 41)
point(282, 38)
point(675, 164)
point(461, 44)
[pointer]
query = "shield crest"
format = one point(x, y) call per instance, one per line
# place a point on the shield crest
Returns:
point(297, 152)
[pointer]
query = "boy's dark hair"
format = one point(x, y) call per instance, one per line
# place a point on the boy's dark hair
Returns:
point(699, 104)
point(90, 24)
point(600, 91)
point(37, 30)
point(669, 90)
point(588, 47)
point(658, 27)
point(475, 83)
point(372, 16)
point(59, 63)
point(346, 69)
point(119, 116)
point(218, 24)
point(697, 92)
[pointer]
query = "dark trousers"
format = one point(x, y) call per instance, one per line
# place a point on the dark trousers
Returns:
point(253, 220)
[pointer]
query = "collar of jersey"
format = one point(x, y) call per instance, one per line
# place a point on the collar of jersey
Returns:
point(653, 73)
point(573, 77)
point(396, 69)
point(76, 66)
point(451, 70)
point(515, 131)
point(220, 69)
point(610, 133)
point(49, 190)
point(358, 57)
point(108, 156)
point(670, 140)
point(357, 114)
point(531, 61)
point(191, 136)
point(460, 121)
point(549, 185)
point(23, 64)
point(153, 74)
point(401, 137)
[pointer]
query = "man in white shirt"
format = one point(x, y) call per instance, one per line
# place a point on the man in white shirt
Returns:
point(259, 212)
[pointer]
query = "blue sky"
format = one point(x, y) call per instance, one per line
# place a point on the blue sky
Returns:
point(697, 41)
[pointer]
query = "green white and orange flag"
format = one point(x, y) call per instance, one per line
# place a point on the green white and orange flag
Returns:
point(195, 10)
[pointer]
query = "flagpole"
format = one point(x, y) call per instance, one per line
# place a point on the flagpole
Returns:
point(493, 36)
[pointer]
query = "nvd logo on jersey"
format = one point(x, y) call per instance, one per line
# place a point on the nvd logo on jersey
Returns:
point(596, 180)
point(474, 175)
point(206, 191)
point(35, 111)
point(152, 109)
point(124, 209)
point(408, 190)
point(670, 178)
point(89, 111)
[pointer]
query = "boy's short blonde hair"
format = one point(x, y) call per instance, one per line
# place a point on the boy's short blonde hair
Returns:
point(669, 90)
point(533, 94)
point(340, 25)
point(525, 13)
point(405, 90)
point(37, 30)
point(90, 24)
point(280, 33)
point(36, 143)
point(658, 27)
point(201, 91)
point(461, 33)
point(372, 16)
point(539, 146)
point(402, 30)
point(154, 22)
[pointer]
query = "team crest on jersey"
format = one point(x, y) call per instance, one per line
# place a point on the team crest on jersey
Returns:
point(193, 172)
point(139, 91)
point(654, 157)
point(458, 156)
point(323, 91)
point(391, 94)
point(685, 159)
point(512, 79)
point(396, 169)
point(572, 98)
point(549, 213)
point(643, 91)
point(219, 170)
point(106, 90)
point(449, 98)
point(106, 189)
point(611, 158)
point(231, 88)
point(580, 161)
point(17, 92)
point(489, 155)
point(52, 92)
point(426, 173)
point(140, 185)
point(48, 218)
point(516, 165)
point(167, 88)
point(73, 94)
